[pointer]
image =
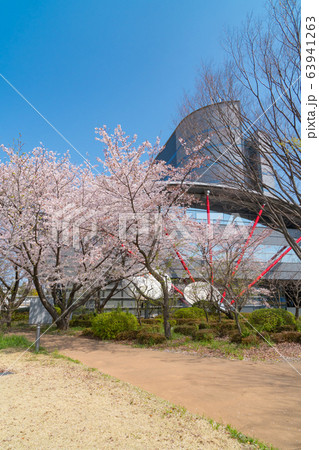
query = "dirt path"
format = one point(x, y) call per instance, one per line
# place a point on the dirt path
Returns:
point(259, 399)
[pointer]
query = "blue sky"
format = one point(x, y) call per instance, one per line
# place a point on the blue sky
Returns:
point(83, 64)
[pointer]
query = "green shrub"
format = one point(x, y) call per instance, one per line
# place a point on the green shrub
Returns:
point(189, 313)
point(287, 317)
point(127, 335)
point(108, 325)
point(82, 320)
point(245, 314)
point(150, 338)
point(271, 320)
point(286, 336)
point(186, 330)
point(203, 335)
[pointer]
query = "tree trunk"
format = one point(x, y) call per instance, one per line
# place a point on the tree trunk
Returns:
point(138, 311)
point(167, 325)
point(63, 322)
point(238, 324)
point(147, 311)
point(297, 312)
point(9, 318)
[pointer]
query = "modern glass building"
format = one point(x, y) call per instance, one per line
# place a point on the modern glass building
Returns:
point(224, 194)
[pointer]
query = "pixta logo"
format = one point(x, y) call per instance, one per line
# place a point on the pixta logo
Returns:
point(73, 225)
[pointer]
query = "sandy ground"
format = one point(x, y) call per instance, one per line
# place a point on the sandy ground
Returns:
point(261, 399)
point(52, 403)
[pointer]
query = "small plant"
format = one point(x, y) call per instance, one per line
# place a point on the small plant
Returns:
point(109, 325)
point(242, 438)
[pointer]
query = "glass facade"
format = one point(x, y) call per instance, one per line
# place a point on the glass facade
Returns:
point(267, 252)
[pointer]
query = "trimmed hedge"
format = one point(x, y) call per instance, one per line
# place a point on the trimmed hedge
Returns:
point(186, 330)
point(127, 335)
point(151, 328)
point(189, 313)
point(286, 336)
point(150, 338)
point(224, 329)
point(184, 321)
point(204, 335)
point(271, 320)
point(155, 320)
point(250, 340)
point(109, 325)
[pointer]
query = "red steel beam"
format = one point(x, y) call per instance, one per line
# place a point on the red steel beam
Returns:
point(181, 259)
point(245, 247)
point(266, 271)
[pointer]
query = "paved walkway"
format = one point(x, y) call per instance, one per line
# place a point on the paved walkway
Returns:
point(259, 399)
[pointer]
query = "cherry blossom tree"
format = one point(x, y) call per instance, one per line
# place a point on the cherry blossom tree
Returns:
point(48, 211)
point(147, 196)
